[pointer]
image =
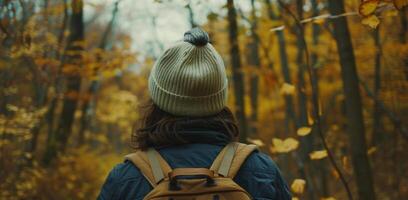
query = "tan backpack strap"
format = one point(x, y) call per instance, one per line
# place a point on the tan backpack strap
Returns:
point(153, 167)
point(226, 161)
point(230, 159)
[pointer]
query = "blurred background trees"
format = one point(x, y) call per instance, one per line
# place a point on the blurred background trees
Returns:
point(320, 85)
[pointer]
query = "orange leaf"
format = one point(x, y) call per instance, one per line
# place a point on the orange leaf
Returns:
point(368, 7)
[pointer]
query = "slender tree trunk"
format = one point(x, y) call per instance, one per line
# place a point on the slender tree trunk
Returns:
point(404, 25)
point(290, 117)
point(254, 61)
point(377, 132)
point(88, 107)
point(237, 70)
point(403, 35)
point(302, 100)
point(306, 142)
point(318, 168)
point(73, 81)
point(354, 115)
point(51, 137)
point(40, 89)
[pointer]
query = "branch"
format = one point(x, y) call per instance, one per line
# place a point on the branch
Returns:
point(315, 98)
point(394, 118)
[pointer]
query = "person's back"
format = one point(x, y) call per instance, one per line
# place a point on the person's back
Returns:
point(188, 124)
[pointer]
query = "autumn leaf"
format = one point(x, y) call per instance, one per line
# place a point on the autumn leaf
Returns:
point(328, 198)
point(303, 131)
point(317, 155)
point(371, 150)
point(298, 186)
point(368, 7)
point(310, 119)
point(371, 21)
point(399, 4)
point(257, 142)
point(335, 174)
point(284, 146)
point(287, 89)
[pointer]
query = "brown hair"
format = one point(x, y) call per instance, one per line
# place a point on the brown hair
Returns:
point(159, 128)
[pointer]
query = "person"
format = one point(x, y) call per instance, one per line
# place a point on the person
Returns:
point(188, 123)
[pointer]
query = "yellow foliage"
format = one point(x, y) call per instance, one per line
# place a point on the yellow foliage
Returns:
point(79, 174)
point(298, 186)
point(287, 89)
point(328, 198)
point(368, 7)
point(371, 21)
point(317, 155)
point(119, 107)
point(284, 146)
point(303, 131)
point(257, 142)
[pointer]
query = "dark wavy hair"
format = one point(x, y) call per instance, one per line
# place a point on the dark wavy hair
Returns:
point(158, 128)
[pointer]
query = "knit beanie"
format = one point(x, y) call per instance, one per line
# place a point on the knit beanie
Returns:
point(189, 78)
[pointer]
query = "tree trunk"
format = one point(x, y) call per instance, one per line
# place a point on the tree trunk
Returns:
point(238, 80)
point(254, 61)
point(73, 82)
point(290, 116)
point(319, 168)
point(88, 107)
point(377, 132)
point(403, 35)
point(404, 25)
point(302, 120)
point(354, 115)
point(302, 100)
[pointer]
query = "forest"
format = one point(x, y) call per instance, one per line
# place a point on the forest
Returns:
point(319, 85)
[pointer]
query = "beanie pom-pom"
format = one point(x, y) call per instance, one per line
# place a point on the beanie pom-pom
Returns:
point(197, 37)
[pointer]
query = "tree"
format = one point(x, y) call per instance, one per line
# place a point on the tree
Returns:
point(290, 114)
point(88, 105)
point(254, 61)
point(354, 115)
point(377, 132)
point(236, 70)
point(72, 59)
point(318, 168)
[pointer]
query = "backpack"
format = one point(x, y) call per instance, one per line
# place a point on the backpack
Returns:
point(215, 183)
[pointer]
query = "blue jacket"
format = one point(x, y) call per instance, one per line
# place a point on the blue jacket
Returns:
point(259, 175)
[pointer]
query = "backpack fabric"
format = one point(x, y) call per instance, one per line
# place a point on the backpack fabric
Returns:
point(199, 183)
point(258, 175)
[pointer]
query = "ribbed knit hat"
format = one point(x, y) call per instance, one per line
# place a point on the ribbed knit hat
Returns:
point(189, 78)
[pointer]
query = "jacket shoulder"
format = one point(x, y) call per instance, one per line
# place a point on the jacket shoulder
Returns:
point(124, 181)
point(258, 161)
point(261, 177)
